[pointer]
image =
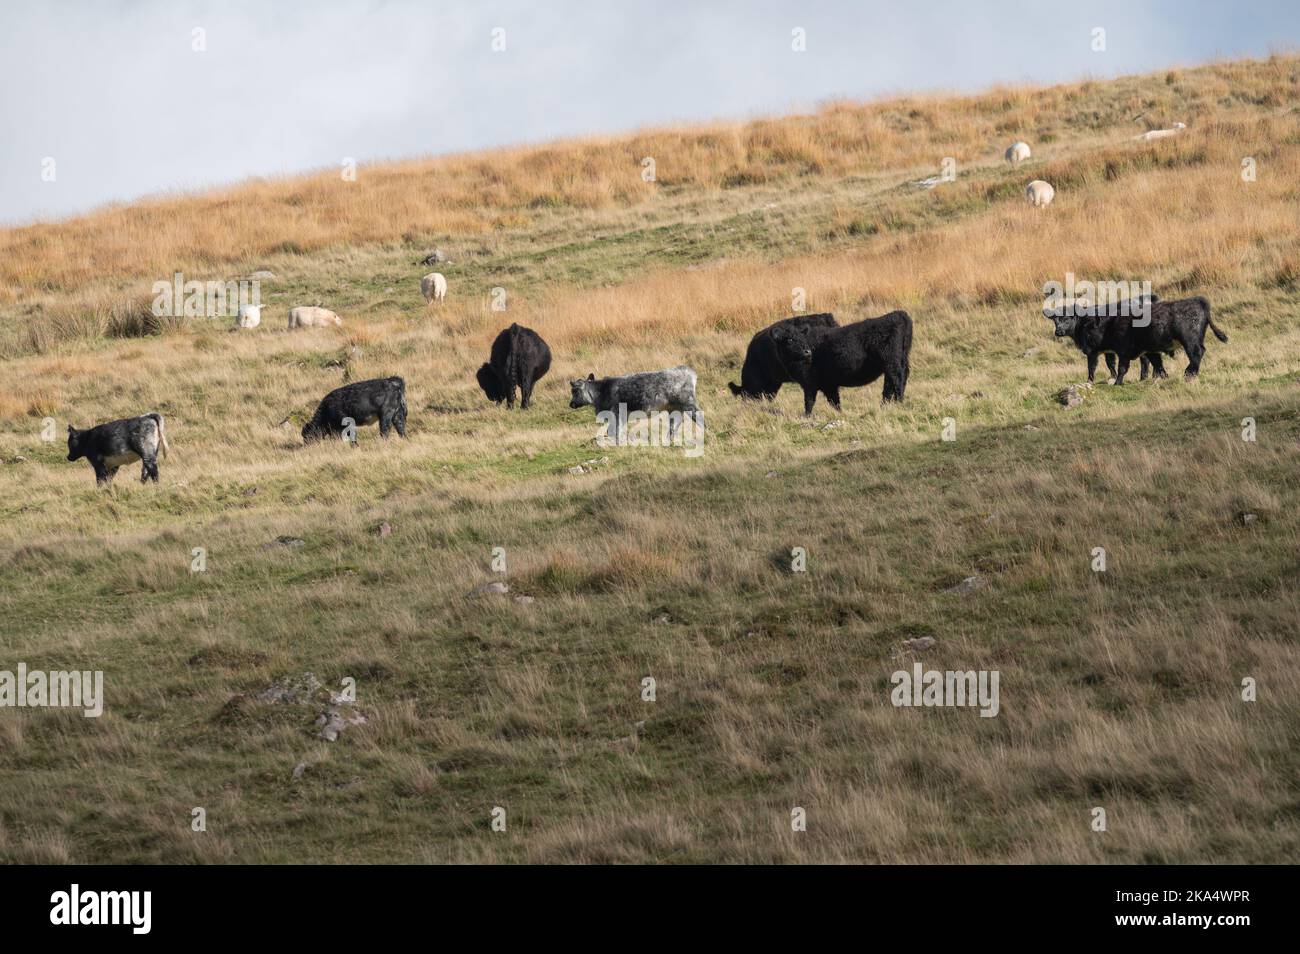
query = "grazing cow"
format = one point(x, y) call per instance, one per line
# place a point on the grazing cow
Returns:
point(365, 402)
point(762, 374)
point(1182, 323)
point(433, 287)
point(310, 316)
point(250, 316)
point(1149, 361)
point(109, 446)
point(520, 358)
point(648, 392)
point(1039, 193)
point(1017, 152)
point(851, 356)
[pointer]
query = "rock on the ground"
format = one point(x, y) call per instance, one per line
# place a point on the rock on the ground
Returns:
point(495, 588)
point(335, 719)
point(919, 643)
point(968, 585)
point(1074, 395)
point(293, 690)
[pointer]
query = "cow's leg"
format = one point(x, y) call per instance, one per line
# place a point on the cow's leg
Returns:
point(510, 394)
point(101, 472)
point(526, 393)
point(399, 420)
point(832, 397)
point(895, 379)
point(1146, 367)
point(809, 399)
point(147, 469)
point(109, 474)
point(1158, 366)
point(1123, 370)
point(1195, 352)
point(1092, 364)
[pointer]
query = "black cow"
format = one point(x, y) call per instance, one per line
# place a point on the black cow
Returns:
point(827, 359)
point(1149, 361)
point(109, 446)
point(762, 374)
point(520, 358)
point(381, 399)
point(1171, 323)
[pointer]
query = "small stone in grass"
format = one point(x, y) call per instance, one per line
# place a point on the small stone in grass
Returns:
point(919, 643)
point(490, 589)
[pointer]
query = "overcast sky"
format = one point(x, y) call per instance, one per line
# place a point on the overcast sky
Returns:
point(116, 93)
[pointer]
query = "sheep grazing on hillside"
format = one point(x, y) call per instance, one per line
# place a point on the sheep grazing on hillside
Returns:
point(1039, 193)
point(1017, 152)
point(312, 316)
point(250, 316)
point(1161, 133)
point(434, 287)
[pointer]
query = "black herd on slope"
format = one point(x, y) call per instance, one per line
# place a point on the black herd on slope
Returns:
point(810, 350)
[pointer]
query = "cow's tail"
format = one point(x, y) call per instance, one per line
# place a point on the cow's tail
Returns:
point(1210, 321)
point(904, 333)
point(162, 432)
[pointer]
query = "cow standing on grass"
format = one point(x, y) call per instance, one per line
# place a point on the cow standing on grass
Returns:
point(1180, 323)
point(364, 402)
point(647, 392)
point(519, 359)
point(851, 356)
point(763, 373)
point(110, 446)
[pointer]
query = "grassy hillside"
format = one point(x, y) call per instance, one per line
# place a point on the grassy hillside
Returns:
point(1118, 689)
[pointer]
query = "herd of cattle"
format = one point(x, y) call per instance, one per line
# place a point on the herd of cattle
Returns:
point(810, 350)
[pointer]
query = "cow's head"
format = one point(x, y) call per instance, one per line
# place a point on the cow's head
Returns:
point(795, 351)
point(74, 443)
point(1063, 315)
point(491, 384)
point(313, 431)
point(583, 391)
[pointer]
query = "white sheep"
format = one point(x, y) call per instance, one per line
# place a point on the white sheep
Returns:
point(1039, 193)
point(312, 316)
point(434, 287)
point(1161, 133)
point(250, 316)
point(1017, 152)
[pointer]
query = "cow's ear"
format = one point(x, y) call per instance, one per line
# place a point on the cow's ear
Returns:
point(591, 376)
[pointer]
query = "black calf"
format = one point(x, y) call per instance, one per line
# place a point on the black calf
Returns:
point(519, 359)
point(365, 402)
